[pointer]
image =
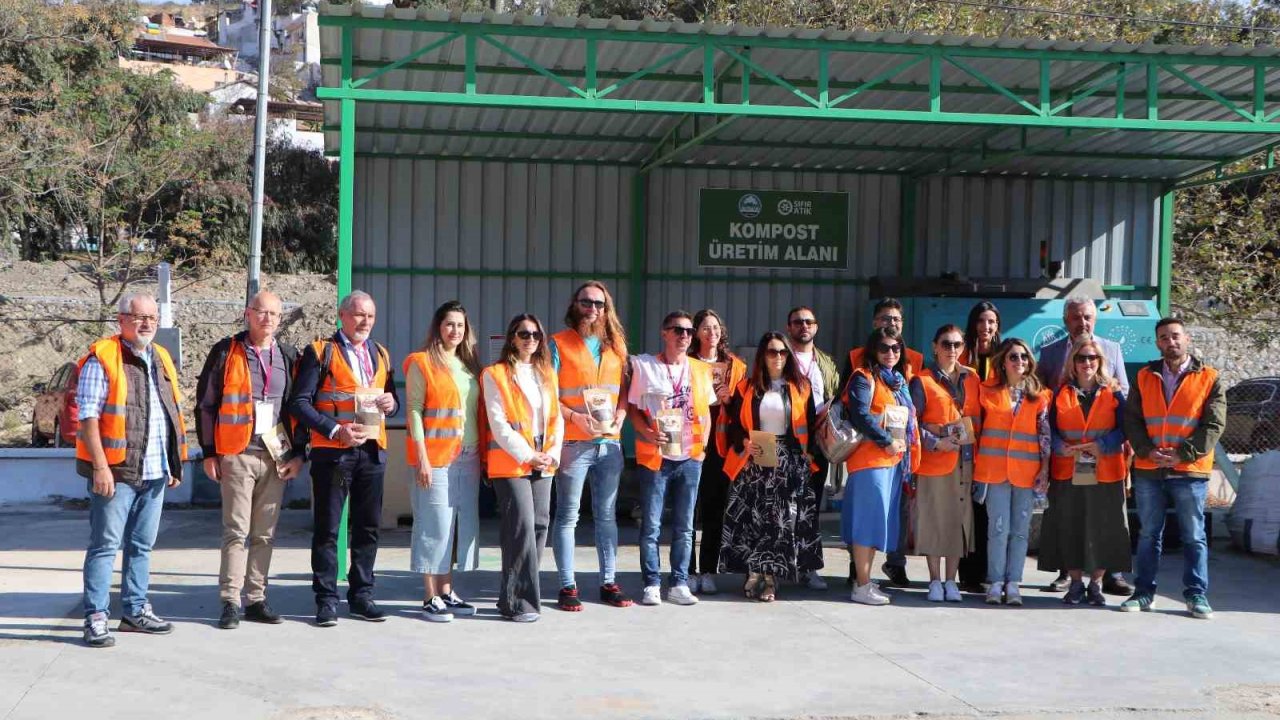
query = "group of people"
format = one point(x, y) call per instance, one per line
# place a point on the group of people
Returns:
point(952, 454)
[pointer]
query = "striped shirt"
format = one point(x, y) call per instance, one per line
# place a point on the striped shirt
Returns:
point(91, 394)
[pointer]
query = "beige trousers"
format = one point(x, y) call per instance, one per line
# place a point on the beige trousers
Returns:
point(251, 495)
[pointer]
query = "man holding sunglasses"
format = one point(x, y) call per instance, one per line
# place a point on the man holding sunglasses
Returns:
point(824, 381)
point(669, 401)
point(589, 357)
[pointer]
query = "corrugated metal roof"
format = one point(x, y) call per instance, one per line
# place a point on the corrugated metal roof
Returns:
point(630, 138)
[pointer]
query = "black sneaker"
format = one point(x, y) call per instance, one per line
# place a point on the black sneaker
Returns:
point(146, 622)
point(1059, 584)
point(458, 606)
point(1095, 595)
point(568, 600)
point(367, 610)
point(1075, 594)
point(261, 612)
point(896, 575)
point(1115, 584)
point(230, 619)
point(434, 610)
point(327, 616)
point(853, 575)
point(96, 632)
point(611, 594)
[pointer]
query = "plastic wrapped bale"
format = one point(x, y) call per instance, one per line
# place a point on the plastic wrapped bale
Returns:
point(1255, 517)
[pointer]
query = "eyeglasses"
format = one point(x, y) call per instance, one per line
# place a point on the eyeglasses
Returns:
point(1082, 359)
point(1019, 357)
point(777, 352)
point(952, 344)
point(889, 348)
point(529, 334)
point(142, 319)
point(889, 319)
point(806, 322)
point(681, 330)
point(264, 313)
point(587, 304)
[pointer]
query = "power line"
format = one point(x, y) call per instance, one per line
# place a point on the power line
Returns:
point(1104, 16)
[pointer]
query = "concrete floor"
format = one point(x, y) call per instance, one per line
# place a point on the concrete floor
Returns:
point(809, 655)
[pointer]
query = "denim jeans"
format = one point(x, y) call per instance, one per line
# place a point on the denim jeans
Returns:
point(453, 497)
point(1187, 496)
point(601, 463)
point(128, 520)
point(680, 480)
point(1008, 526)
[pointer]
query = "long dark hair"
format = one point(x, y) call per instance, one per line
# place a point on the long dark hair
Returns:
point(434, 344)
point(790, 371)
point(721, 349)
point(971, 327)
point(871, 349)
point(614, 337)
point(541, 358)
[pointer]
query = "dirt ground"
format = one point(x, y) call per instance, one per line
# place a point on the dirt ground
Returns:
point(53, 311)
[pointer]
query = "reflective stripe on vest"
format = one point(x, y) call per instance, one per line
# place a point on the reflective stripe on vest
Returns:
point(1008, 445)
point(519, 417)
point(940, 409)
point(235, 415)
point(1075, 428)
point(442, 415)
point(1171, 424)
point(112, 421)
point(579, 371)
point(701, 387)
point(336, 397)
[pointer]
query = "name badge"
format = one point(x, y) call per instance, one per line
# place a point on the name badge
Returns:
point(264, 417)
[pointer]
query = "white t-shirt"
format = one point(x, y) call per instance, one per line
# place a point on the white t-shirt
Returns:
point(773, 411)
point(654, 383)
point(808, 362)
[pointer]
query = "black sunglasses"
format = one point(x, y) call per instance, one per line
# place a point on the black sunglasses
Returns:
point(889, 348)
point(804, 321)
point(587, 303)
point(777, 353)
point(1019, 357)
point(681, 330)
point(1082, 359)
point(952, 344)
point(529, 334)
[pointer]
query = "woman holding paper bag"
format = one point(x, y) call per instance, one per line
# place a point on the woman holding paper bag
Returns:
point(878, 401)
point(711, 345)
point(1084, 528)
point(945, 395)
point(771, 519)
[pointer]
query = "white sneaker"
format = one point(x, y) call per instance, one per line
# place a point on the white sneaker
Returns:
point(708, 583)
point(694, 583)
point(877, 592)
point(652, 595)
point(951, 591)
point(868, 595)
point(680, 595)
point(995, 593)
point(935, 591)
point(1011, 594)
point(814, 581)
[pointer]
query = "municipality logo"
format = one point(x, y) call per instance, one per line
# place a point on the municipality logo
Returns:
point(749, 205)
point(1046, 335)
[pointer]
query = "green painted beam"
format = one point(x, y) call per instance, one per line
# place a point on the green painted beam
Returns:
point(908, 190)
point(635, 305)
point(935, 117)
point(1220, 179)
point(1165, 276)
point(639, 251)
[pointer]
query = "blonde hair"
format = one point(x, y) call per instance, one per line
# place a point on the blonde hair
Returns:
point(1069, 365)
point(1030, 381)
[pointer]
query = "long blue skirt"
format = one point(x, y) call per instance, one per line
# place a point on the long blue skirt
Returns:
point(869, 512)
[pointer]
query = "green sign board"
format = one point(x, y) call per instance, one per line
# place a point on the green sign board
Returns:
point(773, 229)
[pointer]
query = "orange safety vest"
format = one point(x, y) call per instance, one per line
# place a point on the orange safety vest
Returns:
point(737, 372)
point(1008, 445)
point(735, 460)
point(520, 418)
point(579, 371)
point(1170, 424)
point(336, 396)
point(235, 414)
point(1075, 428)
point(915, 361)
point(442, 414)
point(868, 454)
point(700, 386)
point(111, 423)
point(940, 409)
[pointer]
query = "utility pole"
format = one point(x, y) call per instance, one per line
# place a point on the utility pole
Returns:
point(259, 148)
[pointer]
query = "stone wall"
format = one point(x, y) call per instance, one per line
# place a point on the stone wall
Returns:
point(1235, 358)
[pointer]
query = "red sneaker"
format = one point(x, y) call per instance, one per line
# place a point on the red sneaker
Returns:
point(569, 601)
point(611, 594)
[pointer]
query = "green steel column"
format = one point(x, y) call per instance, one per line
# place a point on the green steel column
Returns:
point(639, 229)
point(907, 189)
point(346, 211)
point(1165, 279)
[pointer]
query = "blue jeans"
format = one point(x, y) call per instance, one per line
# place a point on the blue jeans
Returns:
point(1008, 526)
point(681, 479)
point(1187, 497)
point(581, 460)
point(130, 520)
point(454, 491)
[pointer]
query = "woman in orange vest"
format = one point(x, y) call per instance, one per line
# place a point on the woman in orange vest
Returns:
point(521, 401)
point(1012, 463)
point(443, 448)
point(771, 519)
point(945, 396)
point(878, 402)
point(1085, 529)
point(711, 345)
point(981, 338)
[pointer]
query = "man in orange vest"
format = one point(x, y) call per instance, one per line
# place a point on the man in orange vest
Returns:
point(888, 314)
point(1175, 414)
point(590, 356)
point(344, 390)
point(241, 390)
point(131, 446)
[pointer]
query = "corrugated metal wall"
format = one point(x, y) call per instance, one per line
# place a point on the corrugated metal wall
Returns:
point(980, 227)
